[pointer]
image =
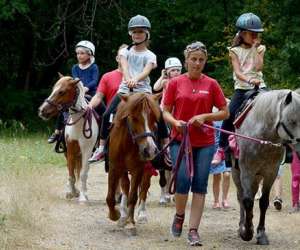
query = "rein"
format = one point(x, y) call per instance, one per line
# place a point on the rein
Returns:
point(264, 142)
point(87, 116)
point(185, 151)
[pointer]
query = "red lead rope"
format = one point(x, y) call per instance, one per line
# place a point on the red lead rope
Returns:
point(185, 151)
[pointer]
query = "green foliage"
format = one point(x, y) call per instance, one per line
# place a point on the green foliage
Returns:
point(38, 39)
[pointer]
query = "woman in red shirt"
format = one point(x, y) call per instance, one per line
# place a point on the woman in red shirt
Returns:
point(189, 99)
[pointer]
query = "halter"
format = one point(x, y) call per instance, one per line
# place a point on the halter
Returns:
point(136, 137)
point(292, 140)
point(65, 106)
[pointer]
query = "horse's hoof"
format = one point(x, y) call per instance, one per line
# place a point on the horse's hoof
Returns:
point(69, 195)
point(262, 239)
point(246, 235)
point(122, 221)
point(83, 198)
point(114, 215)
point(131, 230)
point(142, 219)
point(76, 193)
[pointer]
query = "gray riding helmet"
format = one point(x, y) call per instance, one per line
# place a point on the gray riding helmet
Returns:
point(250, 22)
point(139, 21)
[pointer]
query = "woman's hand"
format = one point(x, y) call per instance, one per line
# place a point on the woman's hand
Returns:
point(179, 124)
point(198, 120)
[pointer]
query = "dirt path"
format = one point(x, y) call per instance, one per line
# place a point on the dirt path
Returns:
point(74, 226)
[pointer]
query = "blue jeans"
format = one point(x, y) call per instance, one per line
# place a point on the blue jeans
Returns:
point(202, 158)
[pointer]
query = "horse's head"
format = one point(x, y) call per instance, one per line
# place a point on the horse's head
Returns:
point(63, 96)
point(141, 113)
point(288, 126)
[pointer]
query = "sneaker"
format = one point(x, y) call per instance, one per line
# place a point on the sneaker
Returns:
point(53, 138)
point(194, 238)
point(277, 203)
point(177, 225)
point(294, 209)
point(219, 156)
point(98, 155)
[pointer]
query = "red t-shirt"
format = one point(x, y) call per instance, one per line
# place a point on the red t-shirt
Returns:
point(190, 97)
point(109, 84)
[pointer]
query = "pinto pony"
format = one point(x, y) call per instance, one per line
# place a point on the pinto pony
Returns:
point(274, 117)
point(131, 145)
point(81, 130)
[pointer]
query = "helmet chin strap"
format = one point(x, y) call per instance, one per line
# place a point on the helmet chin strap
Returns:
point(136, 44)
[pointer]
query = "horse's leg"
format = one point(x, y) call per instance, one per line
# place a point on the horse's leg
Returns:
point(136, 178)
point(162, 183)
point(84, 173)
point(262, 238)
point(144, 187)
point(113, 181)
point(168, 177)
point(247, 182)
point(125, 183)
point(237, 181)
point(72, 147)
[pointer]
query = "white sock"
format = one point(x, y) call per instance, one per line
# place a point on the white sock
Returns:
point(101, 148)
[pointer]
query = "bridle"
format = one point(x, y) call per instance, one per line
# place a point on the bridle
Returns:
point(292, 139)
point(64, 106)
point(136, 137)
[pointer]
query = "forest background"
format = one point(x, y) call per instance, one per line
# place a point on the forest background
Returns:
point(37, 40)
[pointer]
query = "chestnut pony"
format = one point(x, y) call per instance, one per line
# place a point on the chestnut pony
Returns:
point(131, 146)
point(81, 130)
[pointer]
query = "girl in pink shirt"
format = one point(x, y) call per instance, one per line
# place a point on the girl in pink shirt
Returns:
point(295, 185)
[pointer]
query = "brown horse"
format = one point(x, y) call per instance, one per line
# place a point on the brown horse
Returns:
point(131, 145)
point(81, 131)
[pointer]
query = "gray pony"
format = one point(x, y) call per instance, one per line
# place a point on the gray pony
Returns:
point(274, 117)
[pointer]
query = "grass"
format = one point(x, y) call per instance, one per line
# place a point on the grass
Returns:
point(27, 162)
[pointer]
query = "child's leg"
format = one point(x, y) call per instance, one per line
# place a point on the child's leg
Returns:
point(59, 125)
point(104, 131)
point(295, 167)
point(225, 188)
point(216, 190)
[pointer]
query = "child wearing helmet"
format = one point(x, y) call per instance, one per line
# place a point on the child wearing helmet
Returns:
point(247, 58)
point(137, 61)
point(87, 71)
point(172, 69)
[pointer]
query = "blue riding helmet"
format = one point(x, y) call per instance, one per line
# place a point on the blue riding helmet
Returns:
point(250, 22)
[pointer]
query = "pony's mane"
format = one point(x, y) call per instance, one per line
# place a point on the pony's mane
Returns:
point(135, 104)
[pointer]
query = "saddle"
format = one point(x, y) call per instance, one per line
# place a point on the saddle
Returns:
point(246, 106)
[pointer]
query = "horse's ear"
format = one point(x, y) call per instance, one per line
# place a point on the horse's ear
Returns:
point(75, 81)
point(60, 75)
point(288, 98)
point(124, 98)
point(157, 96)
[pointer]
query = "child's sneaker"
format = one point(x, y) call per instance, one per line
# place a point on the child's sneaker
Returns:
point(176, 229)
point(53, 138)
point(98, 155)
point(219, 156)
point(194, 238)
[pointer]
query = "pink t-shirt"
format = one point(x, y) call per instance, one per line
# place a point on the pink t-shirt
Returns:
point(190, 97)
point(109, 84)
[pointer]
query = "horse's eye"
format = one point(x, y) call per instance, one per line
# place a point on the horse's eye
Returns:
point(61, 92)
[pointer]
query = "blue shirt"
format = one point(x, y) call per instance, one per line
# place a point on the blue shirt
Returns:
point(89, 77)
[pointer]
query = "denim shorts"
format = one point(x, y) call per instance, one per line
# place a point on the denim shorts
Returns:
point(202, 157)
